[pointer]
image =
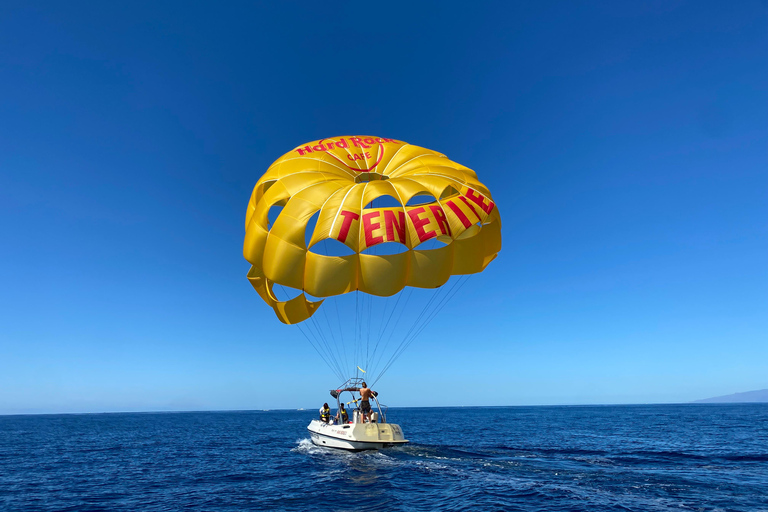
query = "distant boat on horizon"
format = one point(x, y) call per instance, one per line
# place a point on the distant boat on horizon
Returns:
point(758, 396)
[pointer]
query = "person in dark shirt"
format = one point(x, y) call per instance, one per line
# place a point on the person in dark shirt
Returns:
point(341, 414)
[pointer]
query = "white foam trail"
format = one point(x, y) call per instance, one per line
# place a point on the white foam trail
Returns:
point(307, 447)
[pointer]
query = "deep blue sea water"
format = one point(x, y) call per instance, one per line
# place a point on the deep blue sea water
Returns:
point(642, 458)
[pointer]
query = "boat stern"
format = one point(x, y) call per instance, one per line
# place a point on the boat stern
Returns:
point(356, 436)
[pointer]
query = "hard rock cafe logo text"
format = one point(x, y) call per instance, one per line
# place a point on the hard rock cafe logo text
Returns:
point(345, 143)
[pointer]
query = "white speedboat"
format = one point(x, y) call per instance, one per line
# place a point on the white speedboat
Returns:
point(373, 434)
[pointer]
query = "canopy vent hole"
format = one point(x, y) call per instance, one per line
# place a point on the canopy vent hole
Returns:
point(365, 177)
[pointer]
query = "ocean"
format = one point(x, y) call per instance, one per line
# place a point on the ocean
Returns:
point(698, 457)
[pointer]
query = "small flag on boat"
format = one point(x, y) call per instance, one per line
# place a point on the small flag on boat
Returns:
point(361, 369)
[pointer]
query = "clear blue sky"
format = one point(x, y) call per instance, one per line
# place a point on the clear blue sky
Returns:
point(626, 144)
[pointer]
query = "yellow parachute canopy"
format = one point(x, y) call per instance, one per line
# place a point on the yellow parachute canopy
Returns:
point(335, 181)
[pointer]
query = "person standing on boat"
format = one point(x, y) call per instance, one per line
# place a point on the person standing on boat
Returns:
point(325, 413)
point(341, 415)
point(365, 404)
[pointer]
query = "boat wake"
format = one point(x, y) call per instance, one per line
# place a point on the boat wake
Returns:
point(307, 447)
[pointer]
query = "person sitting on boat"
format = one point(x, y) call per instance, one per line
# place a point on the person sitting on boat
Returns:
point(341, 414)
point(325, 413)
point(365, 405)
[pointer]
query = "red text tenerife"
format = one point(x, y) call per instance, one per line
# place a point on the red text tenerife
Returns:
point(360, 142)
point(428, 221)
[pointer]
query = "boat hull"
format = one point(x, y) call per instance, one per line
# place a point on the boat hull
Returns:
point(356, 436)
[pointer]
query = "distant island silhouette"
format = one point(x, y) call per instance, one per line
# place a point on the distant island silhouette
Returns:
point(760, 395)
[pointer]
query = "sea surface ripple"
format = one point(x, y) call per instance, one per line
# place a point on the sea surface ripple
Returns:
point(631, 458)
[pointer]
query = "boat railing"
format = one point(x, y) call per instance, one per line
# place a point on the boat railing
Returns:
point(382, 410)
